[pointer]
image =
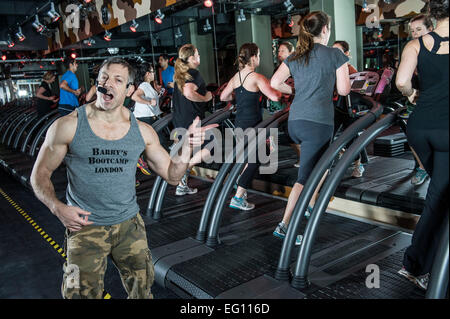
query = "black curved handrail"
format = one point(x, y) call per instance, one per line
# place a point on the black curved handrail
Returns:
point(14, 137)
point(10, 117)
point(17, 127)
point(438, 285)
point(158, 126)
point(40, 133)
point(217, 117)
point(34, 127)
point(218, 181)
point(300, 280)
point(213, 230)
point(324, 163)
point(12, 126)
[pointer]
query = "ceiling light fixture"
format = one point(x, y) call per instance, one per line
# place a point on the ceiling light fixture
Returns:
point(134, 26)
point(107, 36)
point(37, 25)
point(159, 16)
point(288, 5)
point(20, 36)
point(241, 17)
point(52, 13)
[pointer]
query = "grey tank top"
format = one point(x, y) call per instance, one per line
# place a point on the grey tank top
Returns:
point(102, 173)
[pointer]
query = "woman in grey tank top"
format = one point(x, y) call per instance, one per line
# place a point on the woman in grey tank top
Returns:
point(315, 69)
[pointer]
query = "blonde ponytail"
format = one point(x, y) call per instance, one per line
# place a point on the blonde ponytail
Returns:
point(182, 65)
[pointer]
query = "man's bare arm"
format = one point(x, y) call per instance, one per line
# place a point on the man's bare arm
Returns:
point(49, 158)
point(172, 169)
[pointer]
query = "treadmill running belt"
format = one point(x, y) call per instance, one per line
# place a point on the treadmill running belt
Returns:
point(230, 266)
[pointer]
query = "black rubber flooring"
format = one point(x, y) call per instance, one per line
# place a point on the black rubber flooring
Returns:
point(30, 266)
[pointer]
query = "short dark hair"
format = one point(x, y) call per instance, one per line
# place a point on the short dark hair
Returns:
point(426, 20)
point(344, 44)
point(68, 61)
point(165, 56)
point(141, 71)
point(438, 9)
point(122, 62)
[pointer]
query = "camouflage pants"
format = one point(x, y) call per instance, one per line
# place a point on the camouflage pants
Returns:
point(87, 251)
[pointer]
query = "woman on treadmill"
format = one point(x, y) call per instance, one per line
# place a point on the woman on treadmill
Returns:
point(247, 86)
point(189, 99)
point(419, 26)
point(428, 134)
point(316, 70)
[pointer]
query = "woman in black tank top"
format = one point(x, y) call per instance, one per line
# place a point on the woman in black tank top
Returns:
point(247, 86)
point(428, 134)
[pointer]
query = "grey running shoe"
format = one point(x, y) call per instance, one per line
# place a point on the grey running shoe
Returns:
point(185, 190)
point(241, 203)
point(420, 177)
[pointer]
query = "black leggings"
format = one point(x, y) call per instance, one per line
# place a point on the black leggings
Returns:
point(432, 147)
point(314, 139)
point(247, 175)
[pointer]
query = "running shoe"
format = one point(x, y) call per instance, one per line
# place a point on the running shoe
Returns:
point(358, 171)
point(138, 183)
point(241, 203)
point(185, 190)
point(420, 177)
point(419, 281)
point(280, 232)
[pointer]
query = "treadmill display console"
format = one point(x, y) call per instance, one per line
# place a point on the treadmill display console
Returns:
point(364, 82)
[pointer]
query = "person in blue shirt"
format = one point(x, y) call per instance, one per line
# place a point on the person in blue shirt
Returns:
point(69, 89)
point(167, 72)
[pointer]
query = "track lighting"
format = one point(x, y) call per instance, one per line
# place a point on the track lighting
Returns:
point(241, 17)
point(288, 5)
point(208, 3)
point(52, 13)
point(207, 27)
point(89, 42)
point(10, 42)
point(159, 16)
point(107, 36)
point(20, 36)
point(365, 7)
point(178, 34)
point(37, 25)
point(134, 26)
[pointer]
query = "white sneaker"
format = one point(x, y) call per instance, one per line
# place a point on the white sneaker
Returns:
point(185, 190)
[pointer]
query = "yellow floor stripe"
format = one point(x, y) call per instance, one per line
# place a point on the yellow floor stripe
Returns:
point(39, 229)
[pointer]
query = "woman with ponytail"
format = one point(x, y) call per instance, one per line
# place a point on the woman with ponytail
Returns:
point(316, 70)
point(189, 99)
point(247, 86)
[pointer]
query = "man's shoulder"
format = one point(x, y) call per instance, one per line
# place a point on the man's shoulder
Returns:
point(64, 128)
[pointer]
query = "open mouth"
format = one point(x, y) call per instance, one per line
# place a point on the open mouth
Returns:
point(107, 96)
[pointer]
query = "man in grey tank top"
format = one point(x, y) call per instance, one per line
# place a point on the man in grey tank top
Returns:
point(100, 143)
